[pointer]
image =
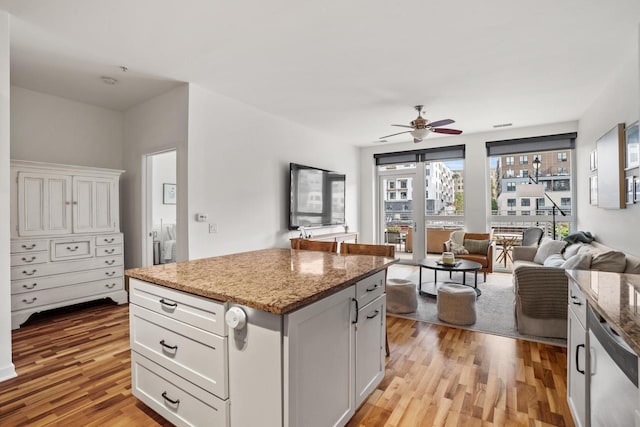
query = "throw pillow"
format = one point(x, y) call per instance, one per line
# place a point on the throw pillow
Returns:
point(578, 262)
point(612, 261)
point(548, 247)
point(554, 260)
point(456, 243)
point(479, 247)
point(571, 250)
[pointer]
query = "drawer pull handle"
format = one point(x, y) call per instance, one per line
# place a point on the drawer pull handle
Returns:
point(29, 274)
point(168, 399)
point(31, 246)
point(371, 316)
point(109, 240)
point(575, 300)
point(577, 358)
point(72, 249)
point(373, 288)
point(170, 347)
point(30, 287)
point(110, 273)
point(29, 302)
point(109, 251)
point(110, 285)
point(168, 304)
point(353, 322)
point(110, 262)
point(29, 260)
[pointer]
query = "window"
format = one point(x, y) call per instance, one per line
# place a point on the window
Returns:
point(509, 161)
point(565, 201)
point(511, 203)
point(511, 186)
point(524, 160)
point(392, 184)
point(403, 195)
point(525, 202)
point(392, 195)
point(403, 183)
point(561, 185)
point(511, 212)
point(537, 156)
point(562, 171)
point(541, 202)
point(562, 156)
point(524, 173)
point(525, 213)
point(510, 173)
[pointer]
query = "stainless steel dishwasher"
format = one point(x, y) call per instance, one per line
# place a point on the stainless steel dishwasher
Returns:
point(614, 376)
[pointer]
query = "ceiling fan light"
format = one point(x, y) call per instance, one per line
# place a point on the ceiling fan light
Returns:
point(419, 133)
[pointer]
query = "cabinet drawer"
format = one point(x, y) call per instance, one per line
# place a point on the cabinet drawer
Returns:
point(31, 271)
point(190, 352)
point(71, 249)
point(175, 398)
point(46, 282)
point(29, 246)
point(578, 303)
point(197, 311)
point(64, 293)
point(108, 250)
point(370, 288)
point(109, 239)
point(29, 258)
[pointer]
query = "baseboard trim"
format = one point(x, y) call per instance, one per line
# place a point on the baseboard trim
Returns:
point(8, 372)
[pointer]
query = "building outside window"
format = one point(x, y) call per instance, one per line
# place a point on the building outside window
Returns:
point(509, 160)
point(561, 185)
point(565, 201)
point(562, 171)
point(525, 202)
point(562, 156)
point(524, 160)
point(511, 186)
point(403, 195)
point(511, 203)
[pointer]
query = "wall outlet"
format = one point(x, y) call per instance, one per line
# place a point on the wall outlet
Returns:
point(201, 217)
point(213, 228)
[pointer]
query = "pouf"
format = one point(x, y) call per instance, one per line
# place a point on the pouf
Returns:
point(401, 296)
point(457, 304)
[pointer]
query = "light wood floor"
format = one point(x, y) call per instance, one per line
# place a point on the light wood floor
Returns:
point(73, 370)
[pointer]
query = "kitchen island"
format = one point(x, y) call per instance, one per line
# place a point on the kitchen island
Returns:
point(302, 344)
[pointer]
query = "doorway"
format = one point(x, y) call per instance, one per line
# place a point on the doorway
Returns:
point(160, 208)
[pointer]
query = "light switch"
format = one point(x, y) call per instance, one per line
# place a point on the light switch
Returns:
point(213, 228)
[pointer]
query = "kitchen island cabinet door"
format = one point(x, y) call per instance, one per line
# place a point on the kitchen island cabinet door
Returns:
point(370, 349)
point(319, 350)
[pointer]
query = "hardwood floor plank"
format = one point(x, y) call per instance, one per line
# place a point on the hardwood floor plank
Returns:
point(74, 369)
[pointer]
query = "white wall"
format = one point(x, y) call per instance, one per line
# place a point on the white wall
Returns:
point(617, 103)
point(7, 369)
point(238, 173)
point(156, 125)
point(476, 176)
point(164, 172)
point(48, 128)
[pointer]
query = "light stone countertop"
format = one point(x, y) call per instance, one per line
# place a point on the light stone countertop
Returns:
point(273, 280)
point(616, 297)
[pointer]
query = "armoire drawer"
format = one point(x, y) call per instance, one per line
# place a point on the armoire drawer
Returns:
point(18, 246)
point(64, 293)
point(197, 311)
point(194, 354)
point(370, 288)
point(29, 258)
point(71, 249)
point(46, 282)
point(108, 250)
point(31, 271)
point(109, 239)
point(175, 398)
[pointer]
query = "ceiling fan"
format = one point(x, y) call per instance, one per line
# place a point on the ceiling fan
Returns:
point(420, 127)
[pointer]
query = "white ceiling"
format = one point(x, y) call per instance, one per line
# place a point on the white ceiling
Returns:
point(345, 68)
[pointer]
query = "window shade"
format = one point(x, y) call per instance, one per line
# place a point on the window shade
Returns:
point(563, 141)
point(438, 153)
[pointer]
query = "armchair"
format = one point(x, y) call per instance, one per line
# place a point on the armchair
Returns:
point(486, 259)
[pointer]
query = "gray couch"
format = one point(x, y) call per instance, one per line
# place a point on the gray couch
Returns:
point(541, 291)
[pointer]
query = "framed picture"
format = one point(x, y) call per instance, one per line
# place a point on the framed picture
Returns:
point(611, 191)
point(636, 184)
point(593, 190)
point(629, 184)
point(169, 194)
point(632, 149)
point(593, 160)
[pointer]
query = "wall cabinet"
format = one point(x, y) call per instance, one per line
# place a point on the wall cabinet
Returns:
point(66, 244)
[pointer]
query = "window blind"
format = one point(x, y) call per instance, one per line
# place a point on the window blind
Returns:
point(563, 141)
point(425, 154)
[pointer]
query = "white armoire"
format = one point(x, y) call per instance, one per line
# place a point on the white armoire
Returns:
point(66, 245)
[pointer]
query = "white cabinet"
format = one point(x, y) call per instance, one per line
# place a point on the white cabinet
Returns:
point(370, 341)
point(577, 358)
point(64, 221)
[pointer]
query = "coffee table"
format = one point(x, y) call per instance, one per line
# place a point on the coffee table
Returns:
point(462, 265)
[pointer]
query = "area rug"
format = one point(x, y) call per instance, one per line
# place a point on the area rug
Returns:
point(494, 308)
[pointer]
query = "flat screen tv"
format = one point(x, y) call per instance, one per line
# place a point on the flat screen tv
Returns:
point(316, 197)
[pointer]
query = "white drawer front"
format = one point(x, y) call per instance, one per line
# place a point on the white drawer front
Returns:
point(46, 282)
point(64, 293)
point(29, 258)
point(197, 311)
point(108, 250)
point(370, 288)
point(71, 249)
point(31, 271)
point(578, 303)
point(196, 355)
point(175, 398)
point(29, 246)
point(109, 239)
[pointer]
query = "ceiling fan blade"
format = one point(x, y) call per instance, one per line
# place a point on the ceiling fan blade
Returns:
point(404, 126)
point(394, 134)
point(447, 131)
point(441, 123)
point(416, 140)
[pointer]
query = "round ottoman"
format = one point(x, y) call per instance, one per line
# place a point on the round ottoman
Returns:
point(457, 304)
point(401, 296)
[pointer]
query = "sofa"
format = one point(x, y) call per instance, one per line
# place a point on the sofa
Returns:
point(541, 285)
